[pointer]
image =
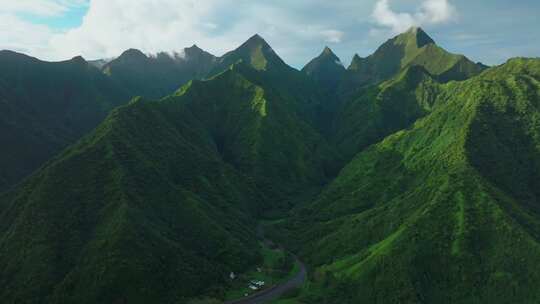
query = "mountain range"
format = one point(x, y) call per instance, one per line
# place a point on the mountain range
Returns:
point(412, 176)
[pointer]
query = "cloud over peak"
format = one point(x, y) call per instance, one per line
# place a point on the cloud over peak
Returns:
point(429, 12)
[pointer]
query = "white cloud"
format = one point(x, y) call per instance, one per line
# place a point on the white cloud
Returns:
point(22, 36)
point(332, 36)
point(47, 8)
point(111, 26)
point(294, 29)
point(429, 12)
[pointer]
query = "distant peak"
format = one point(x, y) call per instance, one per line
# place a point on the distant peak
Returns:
point(356, 62)
point(328, 52)
point(256, 40)
point(418, 35)
point(78, 59)
point(414, 29)
point(194, 48)
point(133, 53)
point(195, 51)
point(257, 36)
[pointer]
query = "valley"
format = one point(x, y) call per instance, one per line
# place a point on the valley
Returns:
point(410, 176)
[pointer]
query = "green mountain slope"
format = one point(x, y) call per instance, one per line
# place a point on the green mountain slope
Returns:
point(326, 69)
point(310, 101)
point(444, 212)
point(157, 204)
point(155, 216)
point(439, 201)
point(413, 47)
point(255, 52)
point(380, 110)
point(259, 130)
point(45, 106)
point(155, 77)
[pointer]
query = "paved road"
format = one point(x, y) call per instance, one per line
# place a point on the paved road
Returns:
point(275, 292)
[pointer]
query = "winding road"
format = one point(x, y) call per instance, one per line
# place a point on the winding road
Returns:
point(273, 293)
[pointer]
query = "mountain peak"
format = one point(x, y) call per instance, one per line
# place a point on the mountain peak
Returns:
point(417, 35)
point(356, 62)
point(78, 60)
point(255, 52)
point(133, 54)
point(194, 48)
point(327, 57)
point(327, 52)
point(256, 40)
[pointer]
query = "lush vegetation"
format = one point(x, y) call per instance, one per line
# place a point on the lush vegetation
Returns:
point(410, 177)
point(158, 202)
point(326, 70)
point(413, 47)
point(159, 75)
point(46, 106)
point(444, 212)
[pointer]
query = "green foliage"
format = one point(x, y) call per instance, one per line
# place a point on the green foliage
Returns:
point(160, 75)
point(44, 107)
point(155, 214)
point(326, 70)
point(439, 203)
point(412, 48)
point(157, 203)
point(381, 110)
point(431, 211)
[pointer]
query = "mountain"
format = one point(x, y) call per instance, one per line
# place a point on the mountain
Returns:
point(255, 52)
point(159, 75)
point(356, 63)
point(446, 211)
point(165, 208)
point(260, 131)
point(155, 216)
point(380, 110)
point(44, 106)
point(413, 179)
point(98, 63)
point(309, 100)
point(413, 47)
point(326, 69)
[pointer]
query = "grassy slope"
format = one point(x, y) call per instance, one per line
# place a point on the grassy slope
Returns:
point(444, 212)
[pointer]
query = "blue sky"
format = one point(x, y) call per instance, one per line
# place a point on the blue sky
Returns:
point(488, 31)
